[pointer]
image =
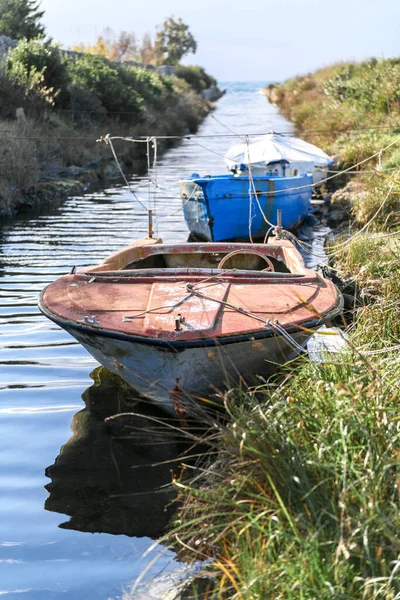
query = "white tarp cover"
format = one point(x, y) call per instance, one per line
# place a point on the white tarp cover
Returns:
point(274, 147)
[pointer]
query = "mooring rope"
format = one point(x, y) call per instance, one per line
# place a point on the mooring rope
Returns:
point(252, 191)
point(192, 291)
point(275, 325)
point(108, 140)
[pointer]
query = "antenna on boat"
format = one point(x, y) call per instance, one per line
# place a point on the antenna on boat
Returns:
point(150, 223)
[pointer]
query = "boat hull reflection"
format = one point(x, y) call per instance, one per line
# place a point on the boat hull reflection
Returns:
point(114, 475)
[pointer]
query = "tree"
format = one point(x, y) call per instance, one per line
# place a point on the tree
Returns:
point(173, 41)
point(21, 19)
point(109, 46)
point(146, 50)
point(125, 47)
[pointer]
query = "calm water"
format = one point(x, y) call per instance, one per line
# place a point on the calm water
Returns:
point(79, 502)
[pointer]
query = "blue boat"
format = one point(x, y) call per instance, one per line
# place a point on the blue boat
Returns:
point(226, 207)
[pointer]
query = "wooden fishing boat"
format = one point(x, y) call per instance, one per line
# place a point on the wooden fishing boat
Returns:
point(179, 321)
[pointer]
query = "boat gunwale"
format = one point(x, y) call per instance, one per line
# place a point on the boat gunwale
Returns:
point(196, 274)
point(180, 345)
point(284, 252)
point(232, 177)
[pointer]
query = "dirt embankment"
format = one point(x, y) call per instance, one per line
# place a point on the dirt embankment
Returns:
point(55, 105)
point(44, 161)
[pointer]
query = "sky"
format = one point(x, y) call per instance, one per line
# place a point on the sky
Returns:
point(244, 40)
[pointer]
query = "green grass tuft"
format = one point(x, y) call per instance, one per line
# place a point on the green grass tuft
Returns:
point(303, 500)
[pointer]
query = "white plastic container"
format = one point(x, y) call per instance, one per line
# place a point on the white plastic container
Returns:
point(327, 341)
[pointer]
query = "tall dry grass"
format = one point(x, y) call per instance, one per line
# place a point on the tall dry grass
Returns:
point(34, 151)
point(303, 499)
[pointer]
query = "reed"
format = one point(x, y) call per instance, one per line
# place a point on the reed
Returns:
point(352, 111)
point(302, 501)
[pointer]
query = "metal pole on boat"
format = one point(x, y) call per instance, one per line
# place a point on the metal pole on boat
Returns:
point(150, 223)
point(278, 229)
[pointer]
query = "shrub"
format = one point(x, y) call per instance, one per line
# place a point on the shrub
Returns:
point(380, 201)
point(196, 77)
point(18, 165)
point(13, 96)
point(153, 87)
point(373, 85)
point(84, 104)
point(108, 83)
point(39, 66)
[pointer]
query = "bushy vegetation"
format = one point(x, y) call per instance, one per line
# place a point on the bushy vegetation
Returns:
point(14, 95)
point(373, 85)
point(196, 77)
point(103, 80)
point(352, 111)
point(65, 94)
point(342, 98)
point(40, 68)
point(103, 87)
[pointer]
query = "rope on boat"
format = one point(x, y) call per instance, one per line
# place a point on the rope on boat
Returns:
point(251, 184)
point(192, 291)
point(153, 139)
point(362, 172)
point(275, 325)
point(285, 191)
point(379, 153)
point(242, 136)
point(189, 136)
point(290, 339)
point(208, 136)
point(205, 148)
point(192, 193)
point(252, 191)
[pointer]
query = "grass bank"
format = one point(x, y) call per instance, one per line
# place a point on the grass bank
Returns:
point(352, 111)
point(67, 103)
point(303, 500)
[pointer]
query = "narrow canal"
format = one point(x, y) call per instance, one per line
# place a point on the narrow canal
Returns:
point(79, 509)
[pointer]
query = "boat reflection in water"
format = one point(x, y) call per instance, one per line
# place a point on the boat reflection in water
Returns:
point(115, 476)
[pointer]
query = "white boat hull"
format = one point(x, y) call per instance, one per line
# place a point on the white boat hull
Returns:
point(176, 379)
